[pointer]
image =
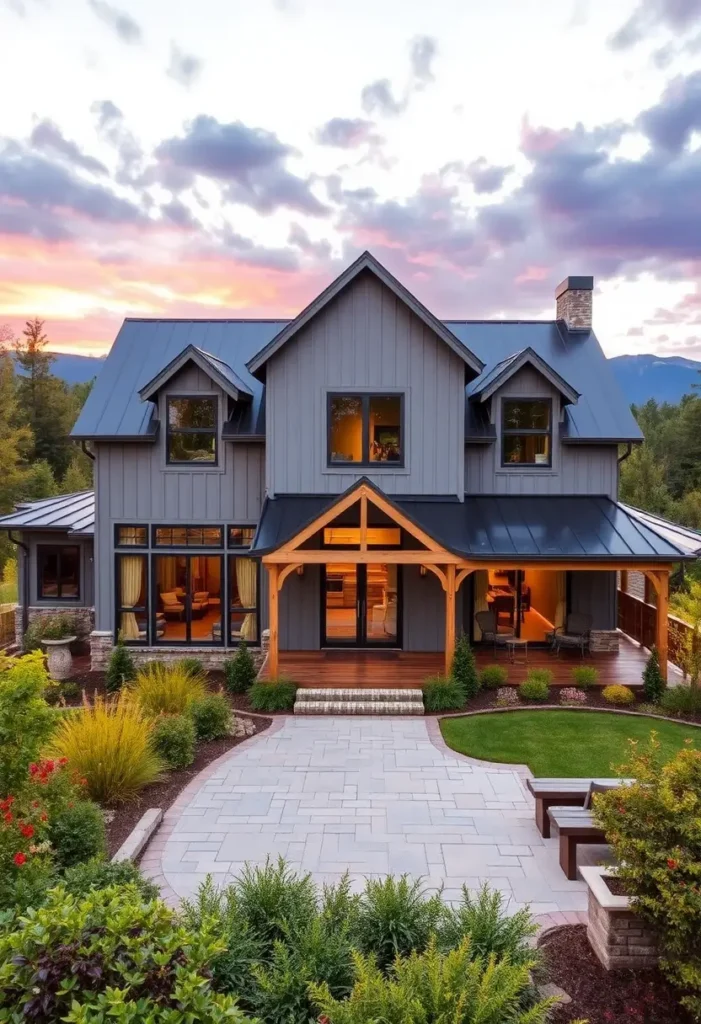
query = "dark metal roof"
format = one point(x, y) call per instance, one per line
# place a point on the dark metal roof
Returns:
point(496, 528)
point(74, 513)
point(484, 386)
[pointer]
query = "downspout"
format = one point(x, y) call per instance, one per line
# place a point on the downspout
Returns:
point(86, 450)
point(25, 581)
point(626, 453)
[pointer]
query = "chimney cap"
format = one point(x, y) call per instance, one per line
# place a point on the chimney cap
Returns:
point(574, 284)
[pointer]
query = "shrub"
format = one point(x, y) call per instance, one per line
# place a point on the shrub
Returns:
point(618, 694)
point(240, 671)
point(120, 668)
point(653, 827)
point(101, 874)
point(167, 689)
point(25, 863)
point(533, 688)
point(109, 744)
point(435, 986)
point(441, 694)
point(681, 700)
point(195, 666)
point(464, 669)
point(654, 683)
point(541, 675)
point(571, 695)
point(273, 695)
point(58, 627)
point(174, 740)
point(211, 716)
point(274, 900)
point(70, 690)
point(507, 697)
point(395, 917)
point(109, 954)
point(491, 930)
point(493, 676)
point(77, 833)
point(26, 720)
point(584, 676)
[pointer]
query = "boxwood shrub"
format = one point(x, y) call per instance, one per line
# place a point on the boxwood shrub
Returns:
point(441, 694)
point(273, 695)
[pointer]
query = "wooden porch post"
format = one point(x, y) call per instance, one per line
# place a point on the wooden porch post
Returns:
point(449, 617)
point(663, 619)
point(273, 620)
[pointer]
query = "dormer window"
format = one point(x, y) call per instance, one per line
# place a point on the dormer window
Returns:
point(364, 430)
point(526, 432)
point(192, 430)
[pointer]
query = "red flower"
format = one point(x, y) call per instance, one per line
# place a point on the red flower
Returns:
point(672, 864)
point(27, 831)
point(83, 782)
point(20, 859)
point(62, 761)
point(35, 803)
point(33, 768)
point(43, 816)
point(49, 766)
point(8, 817)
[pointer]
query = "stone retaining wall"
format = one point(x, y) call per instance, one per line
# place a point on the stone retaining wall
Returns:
point(620, 939)
point(102, 644)
point(84, 619)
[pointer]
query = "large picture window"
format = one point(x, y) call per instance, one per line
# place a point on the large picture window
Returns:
point(132, 598)
point(364, 430)
point(526, 432)
point(192, 430)
point(59, 572)
point(188, 536)
point(243, 599)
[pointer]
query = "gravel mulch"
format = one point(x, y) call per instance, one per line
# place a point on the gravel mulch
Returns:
point(599, 996)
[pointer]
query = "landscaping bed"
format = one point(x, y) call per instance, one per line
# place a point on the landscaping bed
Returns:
point(599, 996)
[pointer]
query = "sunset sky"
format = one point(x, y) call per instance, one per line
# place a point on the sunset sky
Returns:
point(229, 157)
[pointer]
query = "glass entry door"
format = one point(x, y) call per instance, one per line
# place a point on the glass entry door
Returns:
point(188, 599)
point(360, 606)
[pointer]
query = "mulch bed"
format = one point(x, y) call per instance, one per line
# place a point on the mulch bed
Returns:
point(162, 794)
point(600, 996)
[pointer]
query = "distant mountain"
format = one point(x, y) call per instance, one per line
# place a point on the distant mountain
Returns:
point(76, 369)
point(665, 378)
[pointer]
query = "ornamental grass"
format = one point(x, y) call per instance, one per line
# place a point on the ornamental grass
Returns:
point(163, 689)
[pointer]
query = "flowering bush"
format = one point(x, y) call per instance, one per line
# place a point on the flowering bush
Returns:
point(618, 694)
point(25, 852)
point(507, 696)
point(654, 827)
point(571, 695)
point(26, 720)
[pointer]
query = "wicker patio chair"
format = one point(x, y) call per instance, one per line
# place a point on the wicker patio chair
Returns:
point(487, 622)
point(575, 634)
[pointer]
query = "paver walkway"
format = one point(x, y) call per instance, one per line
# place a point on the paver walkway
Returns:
point(371, 796)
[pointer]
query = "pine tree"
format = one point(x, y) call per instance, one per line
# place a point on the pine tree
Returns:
point(464, 669)
point(240, 671)
point(78, 476)
point(654, 684)
point(120, 669)
point(39, 482)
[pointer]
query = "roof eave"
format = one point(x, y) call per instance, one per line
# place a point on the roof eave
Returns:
point(192, 354)
point(528, 356)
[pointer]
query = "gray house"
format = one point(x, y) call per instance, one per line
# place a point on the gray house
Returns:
point(362, 477)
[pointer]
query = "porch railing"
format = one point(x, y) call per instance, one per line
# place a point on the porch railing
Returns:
point(7, 624)
point(638, 620)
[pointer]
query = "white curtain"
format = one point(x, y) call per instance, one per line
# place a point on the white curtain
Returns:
point(130, 581)
point(481, 578)
point(246, 576)
point(561, 599)
point(166, 572)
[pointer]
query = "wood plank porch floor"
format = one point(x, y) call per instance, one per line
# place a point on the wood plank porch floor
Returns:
point(376, 669)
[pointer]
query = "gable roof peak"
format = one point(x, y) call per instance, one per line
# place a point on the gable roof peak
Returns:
point(215, 368)
point(484, 386)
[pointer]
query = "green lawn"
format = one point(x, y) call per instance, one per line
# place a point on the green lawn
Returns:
point(560, 743)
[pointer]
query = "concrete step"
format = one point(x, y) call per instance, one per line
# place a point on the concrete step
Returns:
point(385, 696)
point(359, 707)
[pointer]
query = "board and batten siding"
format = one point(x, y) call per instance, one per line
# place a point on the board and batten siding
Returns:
point(367, 340)
point(576, 469)
point(594, 593)
point(133, 484)
point(57, 539)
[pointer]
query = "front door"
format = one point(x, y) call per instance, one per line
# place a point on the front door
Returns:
point(360, 605)
point(188, 599)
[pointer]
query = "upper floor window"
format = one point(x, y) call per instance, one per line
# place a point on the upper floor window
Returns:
point(192, 430)
point(132, 536)
point(526, 432)
point(241, 536)
point(59, 572)
point(365, 429)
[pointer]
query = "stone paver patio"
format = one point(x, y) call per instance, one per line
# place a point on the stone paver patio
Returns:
point(373, 796)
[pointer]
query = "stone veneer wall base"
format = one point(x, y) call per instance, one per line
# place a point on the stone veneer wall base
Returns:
point(102, 645)
point(84, 619)
point(604, 640)
point(620, 939)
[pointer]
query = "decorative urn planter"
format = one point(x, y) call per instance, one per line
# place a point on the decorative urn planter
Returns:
point(59, 657)
point(618, 936)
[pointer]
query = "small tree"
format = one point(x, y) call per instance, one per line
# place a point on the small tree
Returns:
point(464, 670)
point(121, 668)
point(240, 671)
point(654, 683)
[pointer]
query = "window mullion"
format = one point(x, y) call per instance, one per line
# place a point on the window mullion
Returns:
point(366, 430)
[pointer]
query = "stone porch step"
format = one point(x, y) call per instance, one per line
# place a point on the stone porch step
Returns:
point(387, 696)
point(359, 707)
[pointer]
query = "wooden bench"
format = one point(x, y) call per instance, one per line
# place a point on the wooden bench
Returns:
point(561, 793)
point(576, 825)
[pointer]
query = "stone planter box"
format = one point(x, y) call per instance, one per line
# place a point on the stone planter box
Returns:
point(616, 934)
point(59, 657)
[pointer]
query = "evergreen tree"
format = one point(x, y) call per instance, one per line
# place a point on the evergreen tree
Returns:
point(240, 671)
point(654, 683)
point(78, 475)
point(39, 482)
point(120, 668)
point(464, 669)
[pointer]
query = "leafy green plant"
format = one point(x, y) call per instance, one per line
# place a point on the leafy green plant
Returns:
point(174, 740)
point(464, 668)
point(681, 700)
point(26, 720)
point(273, 899)
point(101, 874)
point(110, 955)
point(58, 627)
point(533, 688)
point(653, 827)
point(441, 694)
point(109, 743)
point(211, 716)
point(77, 833)
point(618, 694)
point(493, 676)
point(654, 683)
point(70, 690)
point(121, 669)
point(584, 676)
point(195, 666)
point(542, 675)
point(163, 689)
point(395, 917)
point(240, 671)
point(273, 695)
point(432, 986)
point(483, 919)
point(25, 862)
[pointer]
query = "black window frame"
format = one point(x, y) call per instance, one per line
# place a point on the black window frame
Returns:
point(188, 554)
point(58, 548)
point(130, 526)
point(119, 609)
point(232, 554)
point(527, 431)
point(193, 430)
point(160, 545)
point(365, 399)
point(239, 526)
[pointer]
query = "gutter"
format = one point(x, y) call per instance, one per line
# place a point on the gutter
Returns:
point(626, 454)
point(25, 581)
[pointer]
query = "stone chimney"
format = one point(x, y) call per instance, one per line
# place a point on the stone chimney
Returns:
point(574, 304)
